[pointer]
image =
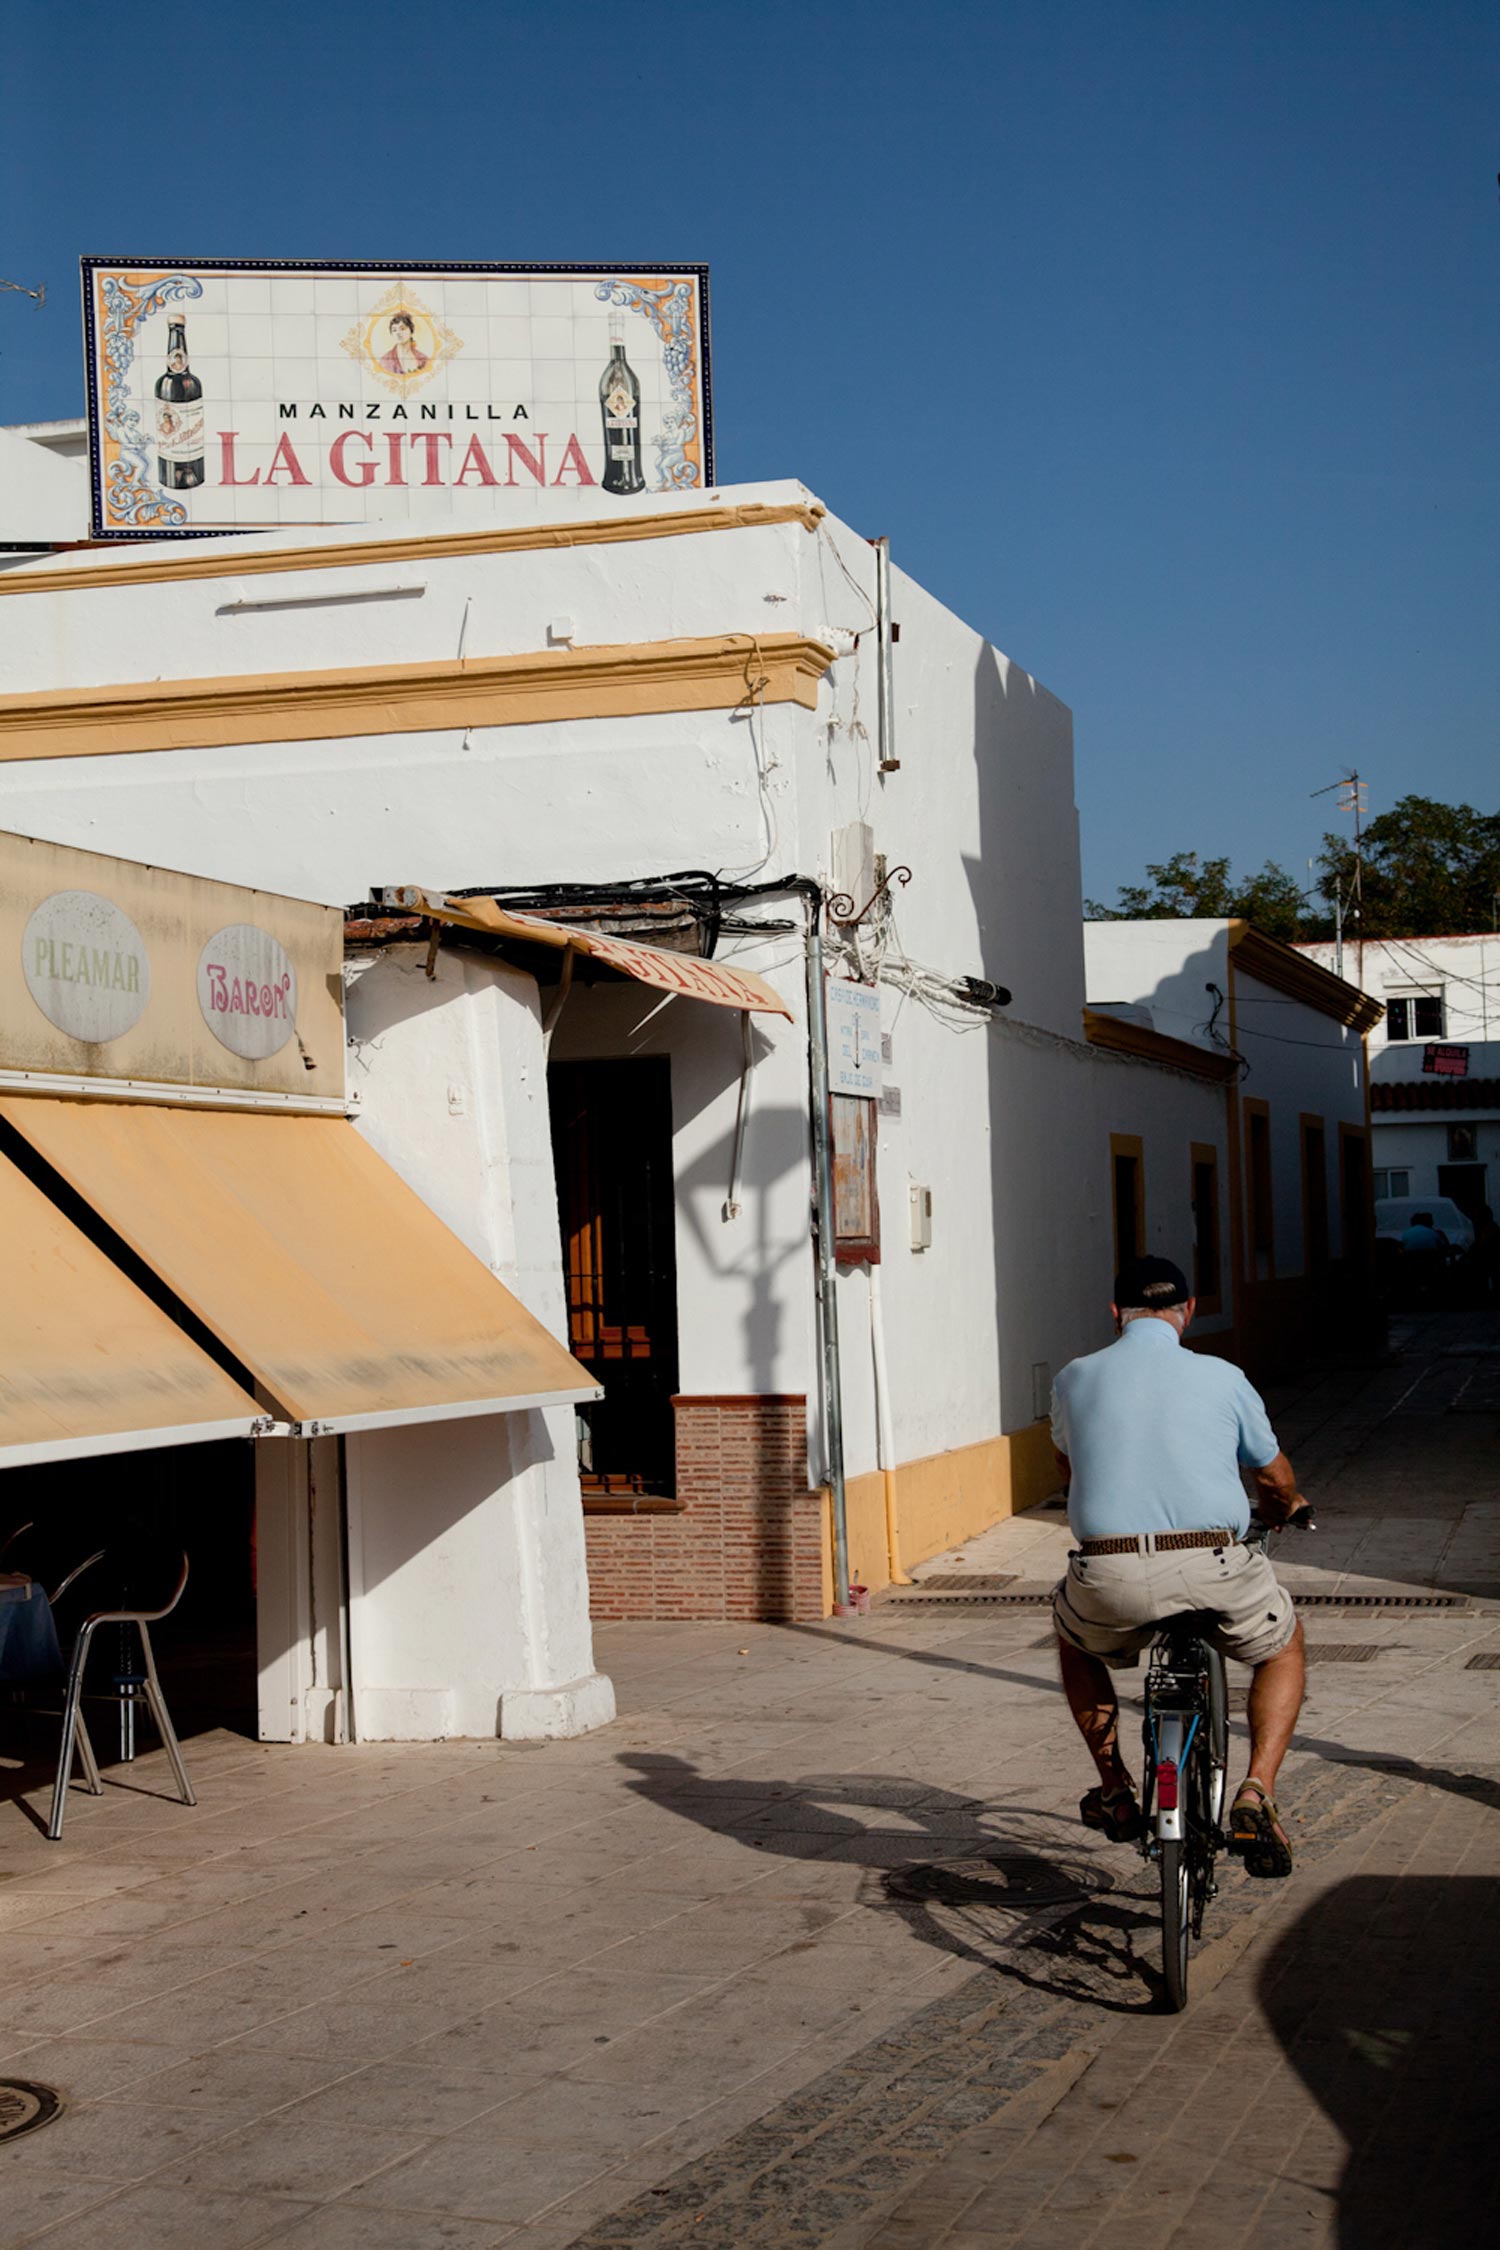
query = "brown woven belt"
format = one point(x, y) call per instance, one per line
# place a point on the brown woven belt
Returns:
point(1162, 1542)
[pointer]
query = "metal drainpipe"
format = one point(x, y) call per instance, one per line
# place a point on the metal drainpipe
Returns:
point(833, 1405)
point(885, 701)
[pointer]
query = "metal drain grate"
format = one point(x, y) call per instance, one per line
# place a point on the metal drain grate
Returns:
point(964, 1582)
point(25, 2106)
point(1378, 1601)
point(1341, 1652)
point(901, 1599)
point(1488, 1660)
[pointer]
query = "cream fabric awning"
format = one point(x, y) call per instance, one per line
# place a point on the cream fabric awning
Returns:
point(319, 1268)
point(656, 965)
point(87, 1362)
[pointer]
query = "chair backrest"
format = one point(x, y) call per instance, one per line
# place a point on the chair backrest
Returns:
point(144, 1575)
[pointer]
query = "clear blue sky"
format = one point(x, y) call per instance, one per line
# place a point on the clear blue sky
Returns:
point(1162, 339)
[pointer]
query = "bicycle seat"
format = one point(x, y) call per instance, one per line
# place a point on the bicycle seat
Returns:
point(1189, 1625)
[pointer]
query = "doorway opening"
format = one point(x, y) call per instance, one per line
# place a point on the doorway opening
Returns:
point(612, 1147)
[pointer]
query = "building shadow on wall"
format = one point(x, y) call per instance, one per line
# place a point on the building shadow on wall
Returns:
point(1384, 1995)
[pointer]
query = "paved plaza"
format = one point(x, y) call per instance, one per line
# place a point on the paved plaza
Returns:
point(809, 1947)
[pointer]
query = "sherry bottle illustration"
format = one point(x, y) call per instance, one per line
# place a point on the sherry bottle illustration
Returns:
point(620, 404)
point(179, 417)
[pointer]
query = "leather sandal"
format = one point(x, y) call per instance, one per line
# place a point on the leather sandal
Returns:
point(1255, 1832)
point(1114, 1813)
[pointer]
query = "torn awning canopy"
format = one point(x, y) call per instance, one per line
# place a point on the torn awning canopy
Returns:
point(685, 974)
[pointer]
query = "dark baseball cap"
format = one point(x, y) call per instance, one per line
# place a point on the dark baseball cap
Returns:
point(1154, 1284)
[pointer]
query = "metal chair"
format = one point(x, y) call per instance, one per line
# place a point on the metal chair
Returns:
point(131, 1687)
point(14, 1555)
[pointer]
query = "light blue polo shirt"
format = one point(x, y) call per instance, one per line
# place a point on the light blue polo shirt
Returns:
point(1156, 1435)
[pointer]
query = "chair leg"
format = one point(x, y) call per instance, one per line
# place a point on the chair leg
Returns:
point(87, 1760)
point(71, 1720)
point(159, 1713)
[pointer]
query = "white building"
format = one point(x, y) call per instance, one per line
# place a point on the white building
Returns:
point(1435, 1116)
point(1298, 1184)
point(567, 712)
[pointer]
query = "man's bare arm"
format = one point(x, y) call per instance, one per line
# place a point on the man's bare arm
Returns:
point(1276, 1487)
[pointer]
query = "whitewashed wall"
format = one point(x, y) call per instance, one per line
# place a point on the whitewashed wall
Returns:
point(1008, 1126)
point(468, 1601)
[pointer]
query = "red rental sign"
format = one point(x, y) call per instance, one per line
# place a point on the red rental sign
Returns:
point(1445, 1062)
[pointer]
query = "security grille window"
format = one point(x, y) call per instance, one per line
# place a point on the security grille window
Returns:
point(1415, 1015)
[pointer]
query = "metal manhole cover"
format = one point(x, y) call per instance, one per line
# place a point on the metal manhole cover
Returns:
point(1341, 1652)
point(25, 2106)
point(1015, 1885)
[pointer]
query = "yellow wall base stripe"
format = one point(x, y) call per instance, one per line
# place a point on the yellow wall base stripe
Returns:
point(945, 1499)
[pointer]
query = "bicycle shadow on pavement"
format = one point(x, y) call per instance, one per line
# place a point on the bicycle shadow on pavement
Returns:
point(1005, 1886)
point(1385, 1996)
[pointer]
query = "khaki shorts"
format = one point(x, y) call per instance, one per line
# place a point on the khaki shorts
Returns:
point(1110, 1606)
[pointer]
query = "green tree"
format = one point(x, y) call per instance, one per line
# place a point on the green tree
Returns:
point(1185, 888)
point(1430, 870)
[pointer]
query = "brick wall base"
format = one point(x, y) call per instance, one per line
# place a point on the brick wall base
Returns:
point(748, 1542)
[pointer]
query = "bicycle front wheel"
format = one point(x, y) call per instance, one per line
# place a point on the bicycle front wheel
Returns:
point(1175, 1918)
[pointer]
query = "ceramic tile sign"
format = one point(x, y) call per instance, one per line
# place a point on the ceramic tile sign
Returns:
point(242, 395)
point(247, 990)
point(854, 1053)
point(86, 966)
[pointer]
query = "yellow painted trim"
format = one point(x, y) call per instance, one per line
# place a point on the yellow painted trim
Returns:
point(639, 678)
point(945, 1499)
point(1285, 970)
point(437, 546)
point(1122, 1037)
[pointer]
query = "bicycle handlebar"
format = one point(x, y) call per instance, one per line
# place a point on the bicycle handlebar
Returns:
point(1302, 1519)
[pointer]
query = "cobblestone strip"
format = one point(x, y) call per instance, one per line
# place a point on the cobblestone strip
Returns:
point(850, 2145)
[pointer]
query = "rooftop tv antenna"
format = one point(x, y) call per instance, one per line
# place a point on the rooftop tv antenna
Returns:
point(1354, 797)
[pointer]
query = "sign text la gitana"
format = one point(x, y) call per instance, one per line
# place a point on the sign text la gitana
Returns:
point(236, 395)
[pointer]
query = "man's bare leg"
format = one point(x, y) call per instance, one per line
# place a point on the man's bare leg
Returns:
point(1095, 1706)
point(1275, 1700)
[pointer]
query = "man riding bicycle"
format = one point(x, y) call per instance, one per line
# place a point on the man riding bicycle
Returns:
point(1150, 1439)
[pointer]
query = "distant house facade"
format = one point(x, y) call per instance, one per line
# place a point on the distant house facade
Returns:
point(1290, 1037)
point(1434, 1064)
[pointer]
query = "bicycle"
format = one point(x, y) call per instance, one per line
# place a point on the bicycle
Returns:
point(1186, 1735)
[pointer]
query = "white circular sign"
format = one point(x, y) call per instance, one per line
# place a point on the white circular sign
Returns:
point(247, 989)
point(86, 966)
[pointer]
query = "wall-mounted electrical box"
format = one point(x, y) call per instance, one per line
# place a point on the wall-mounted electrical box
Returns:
point(921, 1217)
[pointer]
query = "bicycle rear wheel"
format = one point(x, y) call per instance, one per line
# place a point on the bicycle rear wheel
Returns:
point(1175, 1918)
